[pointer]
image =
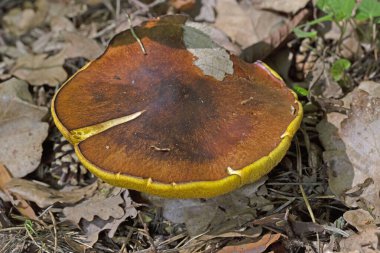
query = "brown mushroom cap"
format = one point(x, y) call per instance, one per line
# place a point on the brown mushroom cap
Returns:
point(187, 119)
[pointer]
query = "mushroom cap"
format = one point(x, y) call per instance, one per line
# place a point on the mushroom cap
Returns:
point(184, 120)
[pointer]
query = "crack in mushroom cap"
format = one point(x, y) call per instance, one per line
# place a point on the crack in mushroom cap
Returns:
point(164, 124)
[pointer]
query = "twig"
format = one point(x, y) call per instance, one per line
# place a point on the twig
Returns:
point(54, 230)
point(117, 9)
point(146, 230)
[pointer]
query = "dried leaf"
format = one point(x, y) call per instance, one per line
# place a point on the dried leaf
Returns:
point(366, 240)
point(243, 23)
point(21, 205)
point(105, 204)
point(39, 46)
point(45, 196)
point(265, 47)
point(235, 22)
point(182, 5)
point(353, 173)
point(360, 219)
point(255, 247)
point(40, 69)
point(18, 21)
point(61, 23)
point(21, 132)
point(281, 5)
point(68, 9)
point(80, 46)
point(93, 228)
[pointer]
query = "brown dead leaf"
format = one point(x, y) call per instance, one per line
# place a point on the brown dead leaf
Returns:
point(244, 24)
point(280, 5)
point(105, 204)
point(93, 228)
point(40, 69)
point(360, 219)
point(80, 46)
point(352, 150)
point(68, 9)
point(235, 22)
point(61, 23)
point(45, 196)
point(18, 21)
point(366, 240)
point(21, 129)
point(256, 247)
point(21, 205)
point(182, 5)
point(263, 48)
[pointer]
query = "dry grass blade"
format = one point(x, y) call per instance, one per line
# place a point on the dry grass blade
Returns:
point(135, 35)
point(304, 196)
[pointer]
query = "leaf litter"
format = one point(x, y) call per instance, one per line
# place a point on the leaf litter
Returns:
point(357, 143)
point(47, 41)
point(21, 129)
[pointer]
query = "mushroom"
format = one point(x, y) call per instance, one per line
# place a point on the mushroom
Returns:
point(167, 111)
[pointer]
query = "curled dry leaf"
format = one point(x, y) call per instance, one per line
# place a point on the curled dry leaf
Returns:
point(40, 69)
point(257, 247)
point(352, 149)
point(45, 196)
point(21, 129)
point(22, 206)
point(366, 240)
point(360, 219)
point(182, 5)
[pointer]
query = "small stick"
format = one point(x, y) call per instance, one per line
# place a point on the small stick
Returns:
point(55, 231)
point(134, 34)
point(147, 235)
